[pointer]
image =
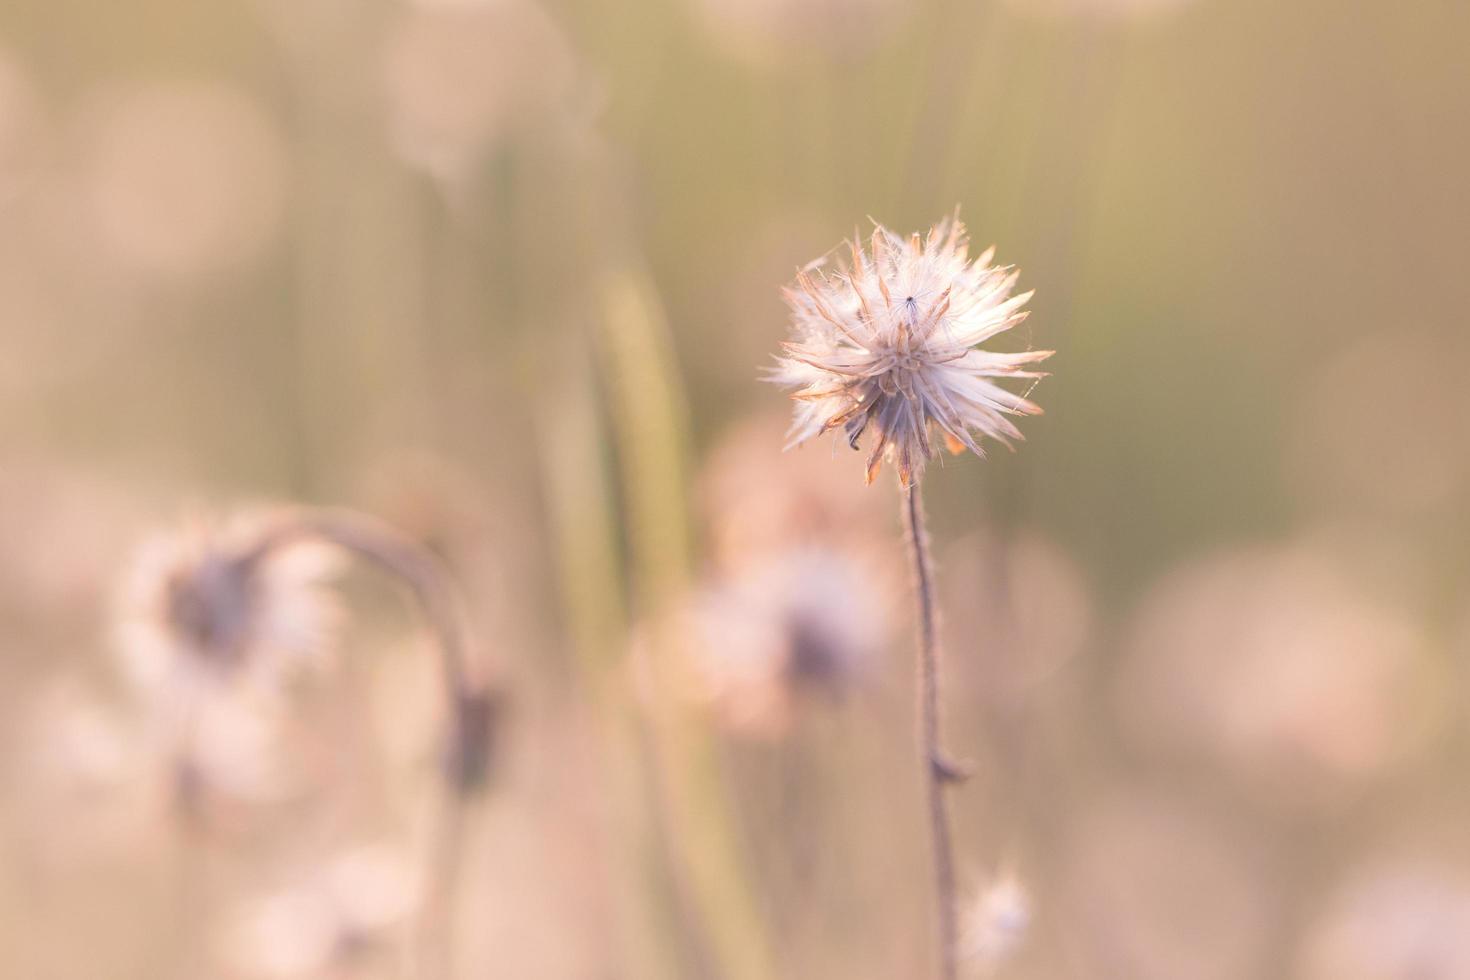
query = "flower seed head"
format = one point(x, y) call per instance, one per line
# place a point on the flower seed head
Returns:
point(217, 600)
point(802, 626)
point(886, 346)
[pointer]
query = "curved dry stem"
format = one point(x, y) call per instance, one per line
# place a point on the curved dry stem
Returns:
point(473, 704)
point(937, 770)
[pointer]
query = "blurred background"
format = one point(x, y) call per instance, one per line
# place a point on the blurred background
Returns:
point(503, 274)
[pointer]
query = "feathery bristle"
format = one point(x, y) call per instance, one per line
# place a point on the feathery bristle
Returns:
point(892, 370)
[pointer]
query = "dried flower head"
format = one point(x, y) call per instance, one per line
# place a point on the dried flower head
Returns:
point(886, 345)
point(215, 601)
point(807, 623)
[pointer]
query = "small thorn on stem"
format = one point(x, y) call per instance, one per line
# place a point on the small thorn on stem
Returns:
point(948, 770)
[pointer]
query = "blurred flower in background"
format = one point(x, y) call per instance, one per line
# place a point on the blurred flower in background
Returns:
point(1356, 447)
point(1393, 919)
point(1276, 665)
point(102, 779)
point(1204, 641)
point(808, 624)
point(1156, 889)
point(221, 601)
point(801, 595)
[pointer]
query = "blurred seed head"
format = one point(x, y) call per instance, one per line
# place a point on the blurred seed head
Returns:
point(344, 914)
point(216, 601)
point(996, 922)
point(1275, 663)
point(462, 77)
point(182, 179)
point(886, 346)
point(1399, 920)
point(771, 32)
point(810, 623)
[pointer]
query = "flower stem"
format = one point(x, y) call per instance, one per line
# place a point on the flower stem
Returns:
point(937, 771)
point(473, 704)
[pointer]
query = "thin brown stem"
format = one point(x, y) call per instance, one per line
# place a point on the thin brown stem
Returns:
point(937, 770)
point(410, 563)
point(473, 705)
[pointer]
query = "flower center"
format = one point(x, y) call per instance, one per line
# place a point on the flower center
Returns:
point(212, 608)
point(899, 377)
